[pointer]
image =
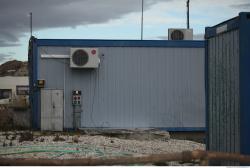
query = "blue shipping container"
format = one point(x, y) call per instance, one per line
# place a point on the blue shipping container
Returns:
point(228, 85)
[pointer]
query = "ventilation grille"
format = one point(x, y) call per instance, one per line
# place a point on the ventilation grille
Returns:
point(177, 35)
point(80, 57)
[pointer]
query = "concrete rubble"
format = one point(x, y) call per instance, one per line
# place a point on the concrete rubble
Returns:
point(23, 144)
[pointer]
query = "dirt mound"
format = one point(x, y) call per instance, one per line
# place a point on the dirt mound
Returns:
point(14, 68)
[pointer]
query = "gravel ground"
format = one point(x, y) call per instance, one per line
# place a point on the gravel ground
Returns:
point(82, 146)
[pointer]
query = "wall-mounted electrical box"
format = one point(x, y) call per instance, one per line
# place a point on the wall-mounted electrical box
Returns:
point(40, 83)
point(76, 97)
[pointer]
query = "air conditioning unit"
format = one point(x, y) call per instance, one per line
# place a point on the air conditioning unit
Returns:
point(180, 34)
point(84, 58)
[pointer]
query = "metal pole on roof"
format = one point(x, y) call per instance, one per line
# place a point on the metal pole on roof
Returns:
point(30, 24)
point(188, 14)
point(142, 10)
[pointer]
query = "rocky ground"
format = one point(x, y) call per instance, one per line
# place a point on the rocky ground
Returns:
point(25, 144)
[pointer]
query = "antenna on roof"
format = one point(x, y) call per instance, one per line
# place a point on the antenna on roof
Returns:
point(142, 10)
point(30, 24)
point(188, 14)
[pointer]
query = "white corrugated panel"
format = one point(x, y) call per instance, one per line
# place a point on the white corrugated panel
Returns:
point(134, 87)
point(52, 110)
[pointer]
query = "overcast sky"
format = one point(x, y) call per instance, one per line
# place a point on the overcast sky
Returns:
point(104, 19)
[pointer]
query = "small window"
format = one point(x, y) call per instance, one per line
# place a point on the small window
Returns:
point(5, 93)
point(22, 90)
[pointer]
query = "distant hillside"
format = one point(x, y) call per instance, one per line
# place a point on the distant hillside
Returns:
point(14, 68)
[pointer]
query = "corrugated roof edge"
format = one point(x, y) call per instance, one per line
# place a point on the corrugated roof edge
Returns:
point(225, 26)
point(120, 43)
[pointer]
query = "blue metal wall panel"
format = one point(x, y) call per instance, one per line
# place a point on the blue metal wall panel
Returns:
point(230, 25)
point(120, 43)
point(228, 86)
point(206, 95)
point(35, 92)
point(223, 91)
point(134, 87)
point(245, 81)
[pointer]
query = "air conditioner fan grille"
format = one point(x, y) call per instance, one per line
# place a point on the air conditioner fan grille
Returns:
point(80, 57)
point(177, 35)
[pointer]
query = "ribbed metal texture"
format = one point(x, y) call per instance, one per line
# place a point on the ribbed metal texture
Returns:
point(134, 87)
point(223, 83)
point(51, 110)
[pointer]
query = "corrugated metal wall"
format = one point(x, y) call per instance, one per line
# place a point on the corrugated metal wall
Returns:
point(51, 110)
point(227, 86)
point(134, 86)
point(223, 83)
